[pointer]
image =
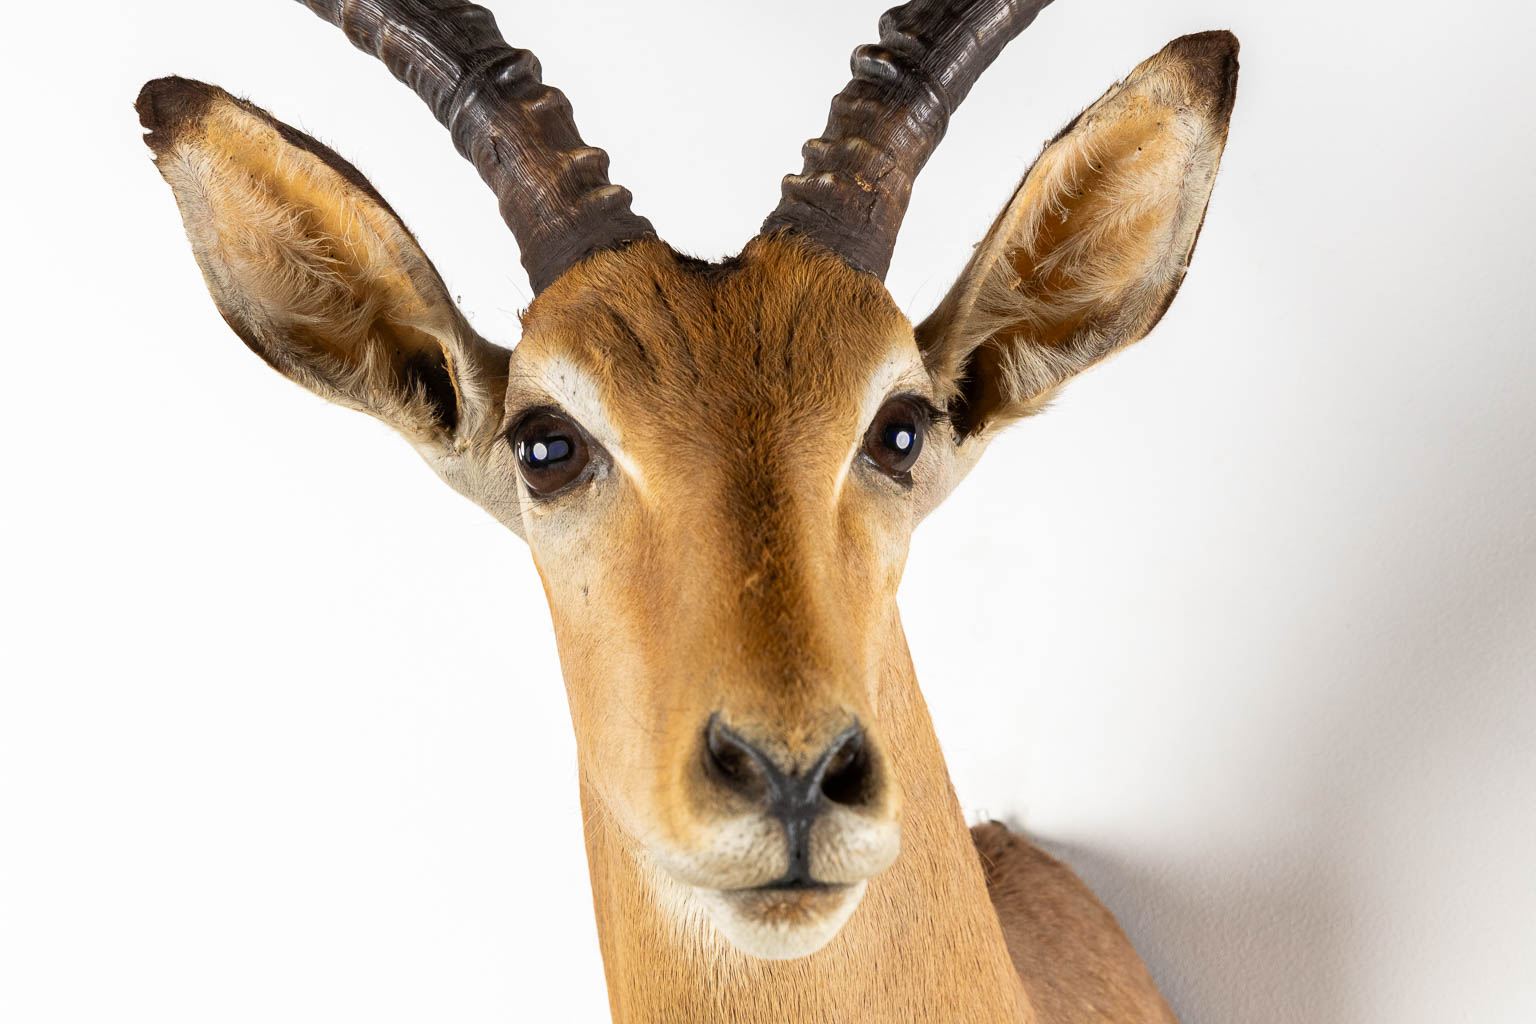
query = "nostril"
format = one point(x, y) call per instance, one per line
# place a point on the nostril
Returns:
point(847, 775)
point(734, 762)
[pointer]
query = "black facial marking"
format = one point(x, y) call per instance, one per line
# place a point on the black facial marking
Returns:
point(431, 376)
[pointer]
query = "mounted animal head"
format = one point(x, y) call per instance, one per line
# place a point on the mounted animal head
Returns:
point(717, 466)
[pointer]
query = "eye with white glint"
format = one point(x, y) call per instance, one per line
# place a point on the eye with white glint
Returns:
point(895, 437)
point(551, 450)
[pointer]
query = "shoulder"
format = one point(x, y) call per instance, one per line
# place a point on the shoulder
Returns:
point(1075, 961)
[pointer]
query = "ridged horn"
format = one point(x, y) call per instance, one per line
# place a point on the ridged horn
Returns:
point(857, 179)
point(552, 188)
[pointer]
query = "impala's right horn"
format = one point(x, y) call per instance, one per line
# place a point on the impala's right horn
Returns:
point(553, 189)
point(857, 179)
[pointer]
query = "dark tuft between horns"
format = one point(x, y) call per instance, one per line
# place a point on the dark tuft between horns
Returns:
point(857, 180)
point(553, 188)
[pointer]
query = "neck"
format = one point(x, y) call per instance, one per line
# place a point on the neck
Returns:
point(925, 943)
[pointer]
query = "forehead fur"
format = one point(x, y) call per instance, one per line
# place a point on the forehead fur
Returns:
point(784, 330)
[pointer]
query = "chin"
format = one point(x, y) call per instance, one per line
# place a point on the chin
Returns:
point(781, 924)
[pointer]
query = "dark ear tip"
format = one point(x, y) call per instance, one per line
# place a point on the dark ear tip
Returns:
point(1211, 60)
point(1216, 45)
point(166, 104)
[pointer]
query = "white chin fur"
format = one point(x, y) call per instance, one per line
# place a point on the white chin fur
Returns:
point(780, 925)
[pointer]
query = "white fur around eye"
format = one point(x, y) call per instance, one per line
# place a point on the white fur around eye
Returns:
point(573, 389)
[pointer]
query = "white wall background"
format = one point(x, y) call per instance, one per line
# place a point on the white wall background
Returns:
point(1245, 627)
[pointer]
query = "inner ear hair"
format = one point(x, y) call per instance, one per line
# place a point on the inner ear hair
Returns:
point(313, 270)
point(1093, 246)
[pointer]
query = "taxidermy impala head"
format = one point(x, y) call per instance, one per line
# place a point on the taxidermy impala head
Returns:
point(717, 466)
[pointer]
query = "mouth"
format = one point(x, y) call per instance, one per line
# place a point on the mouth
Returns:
point(781, 921)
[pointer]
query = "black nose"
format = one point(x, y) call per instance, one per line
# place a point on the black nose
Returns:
point(842, 774)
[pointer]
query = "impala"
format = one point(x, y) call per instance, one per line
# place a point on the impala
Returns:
point(718, 466)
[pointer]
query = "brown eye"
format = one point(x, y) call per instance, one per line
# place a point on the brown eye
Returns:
point(551, 451)
point(895, 438)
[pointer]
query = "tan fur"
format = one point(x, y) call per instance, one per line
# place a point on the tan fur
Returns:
point(729, 580)
point(729, 552)
point(1076, 963)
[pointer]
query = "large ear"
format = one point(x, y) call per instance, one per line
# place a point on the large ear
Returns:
point(317, 275)
point(1088, 254)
